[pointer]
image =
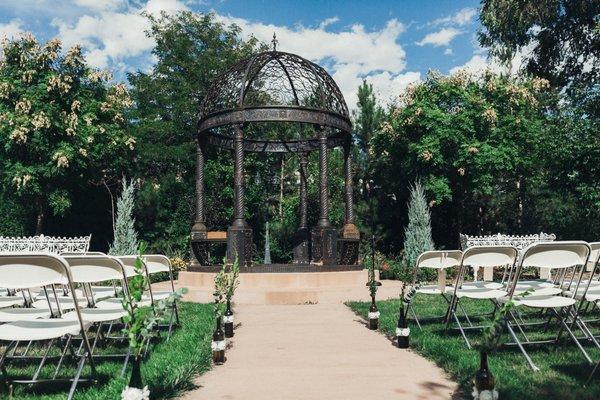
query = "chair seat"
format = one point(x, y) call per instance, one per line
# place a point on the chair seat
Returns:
point(539, 291)
point(39, 329)
point(104, 292)
point(11, 301)
point(482, 285)
point(66, 303)
point(22, 314)
point(434, 289)
point(475, 293)
point(97, 314)
point(545, 301)
point(113, 303)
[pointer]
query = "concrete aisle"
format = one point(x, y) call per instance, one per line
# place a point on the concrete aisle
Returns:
point(313, 352)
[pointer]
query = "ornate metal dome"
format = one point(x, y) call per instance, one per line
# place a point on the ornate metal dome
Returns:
point(274, 86)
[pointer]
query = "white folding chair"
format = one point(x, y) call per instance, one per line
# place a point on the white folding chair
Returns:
point(479, 257)
point(25, 270)
point(88, 270)
point(440, 261)
point(559, 257)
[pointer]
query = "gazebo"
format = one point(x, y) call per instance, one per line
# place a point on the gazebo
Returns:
point(283, 88)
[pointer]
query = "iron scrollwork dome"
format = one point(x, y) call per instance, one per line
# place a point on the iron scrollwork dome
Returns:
point(274, 86)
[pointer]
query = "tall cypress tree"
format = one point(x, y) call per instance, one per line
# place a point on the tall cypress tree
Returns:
point(417, 237)
point(125, 238)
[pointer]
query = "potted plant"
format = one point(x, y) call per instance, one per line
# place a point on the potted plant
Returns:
point(402, 329)
point(140, 322)
point(229, 282)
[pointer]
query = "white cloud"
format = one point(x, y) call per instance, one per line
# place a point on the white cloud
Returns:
point(112, 36)
point(460, 18)
point(479, 62)
point(441, 38)
point(11, 29)
point(328, 21)
point(351, 55)
point(448, 51)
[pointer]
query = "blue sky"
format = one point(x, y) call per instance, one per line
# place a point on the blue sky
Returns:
point(390, 43)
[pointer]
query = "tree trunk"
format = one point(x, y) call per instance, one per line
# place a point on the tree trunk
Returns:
point(41, 216)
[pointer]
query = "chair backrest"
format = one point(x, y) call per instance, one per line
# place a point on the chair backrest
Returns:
point(439, 259)
point(490, 256)
point(95, 268)
point(128, 264)
point(157, 263)
point(594, 255)
point(556, 255)
point(27, 270)
point(487, 256)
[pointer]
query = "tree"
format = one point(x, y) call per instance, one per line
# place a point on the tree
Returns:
point(417, 235)
point(125, 236)
point(559, 39)
point(477, 143)
point(61, 123)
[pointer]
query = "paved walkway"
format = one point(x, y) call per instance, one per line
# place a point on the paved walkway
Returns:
point(313, 352)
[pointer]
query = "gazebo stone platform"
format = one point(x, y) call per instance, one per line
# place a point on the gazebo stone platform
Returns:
point(312, 287)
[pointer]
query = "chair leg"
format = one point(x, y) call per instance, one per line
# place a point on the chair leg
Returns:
point(464, 312)
point(566, 327)
point(76, 377)
point(126, 361)
point(62, 357)
point(43, 360)
point(518, 342)
point(412, 310)
point(462, 332)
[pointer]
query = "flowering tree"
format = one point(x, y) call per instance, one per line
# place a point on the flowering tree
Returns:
point(61, 124)
point(476, 142)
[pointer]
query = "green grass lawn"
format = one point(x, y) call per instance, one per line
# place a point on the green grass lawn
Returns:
point(169, 369)
point(563, 370)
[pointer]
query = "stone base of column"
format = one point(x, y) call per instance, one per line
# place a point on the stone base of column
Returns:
point(349, 244)
point(199, 245)
point(239, 243)
point(324, 245)
point(301, 246)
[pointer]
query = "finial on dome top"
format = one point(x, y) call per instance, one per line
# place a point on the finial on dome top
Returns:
point(274, 42)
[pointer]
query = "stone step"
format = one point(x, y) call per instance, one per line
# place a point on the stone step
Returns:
point(281, 280)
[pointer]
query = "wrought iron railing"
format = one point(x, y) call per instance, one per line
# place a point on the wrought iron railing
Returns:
point(50, 244)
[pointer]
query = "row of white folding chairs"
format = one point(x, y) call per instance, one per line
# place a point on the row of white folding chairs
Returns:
point(557, 297)
point(68, 313)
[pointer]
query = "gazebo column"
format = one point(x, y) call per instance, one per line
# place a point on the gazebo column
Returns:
point(324, 236)
point(301, 248)
point(349, 233)
point(199, 231)
point(239, 234)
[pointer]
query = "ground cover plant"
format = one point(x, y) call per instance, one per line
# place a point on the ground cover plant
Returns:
point(562, 374)
point(169, 369)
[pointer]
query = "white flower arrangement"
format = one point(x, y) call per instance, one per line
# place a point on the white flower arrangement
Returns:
point(374, 315)
point(131, 393)
point(485, 394)
point(218, 346)
point(403, 332)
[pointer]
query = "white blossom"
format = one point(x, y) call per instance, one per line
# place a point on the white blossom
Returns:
point(130, 393)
